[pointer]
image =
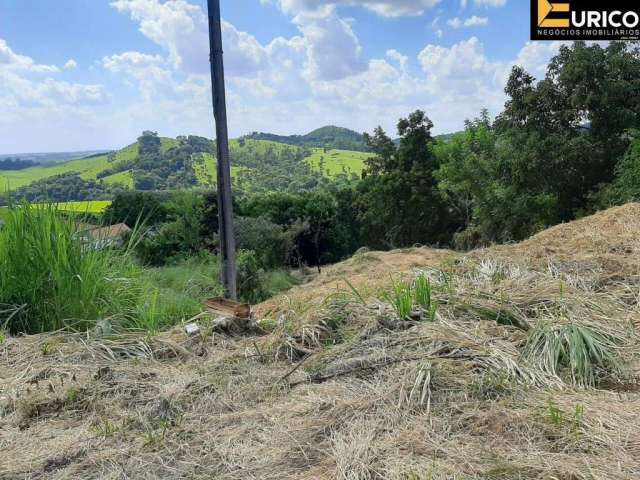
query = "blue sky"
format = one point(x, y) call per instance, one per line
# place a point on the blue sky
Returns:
point(84, 74)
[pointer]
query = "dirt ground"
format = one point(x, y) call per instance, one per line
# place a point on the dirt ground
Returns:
point(332, 385)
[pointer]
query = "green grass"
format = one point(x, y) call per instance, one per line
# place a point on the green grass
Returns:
point(336, 162)
point(122, 178)
point(205, 167)
point(423, 296)
point(94, 206)
point(401, 299)
point(49, 280)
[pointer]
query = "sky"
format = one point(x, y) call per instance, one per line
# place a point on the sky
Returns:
point(93, 74)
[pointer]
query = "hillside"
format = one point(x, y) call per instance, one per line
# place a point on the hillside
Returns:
point(335, 385)
point(87, 168)
point(186, 162)
point(331, 137)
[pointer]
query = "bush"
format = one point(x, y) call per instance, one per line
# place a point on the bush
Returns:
point(50, 279)
point(264, 237)
point(250, 285)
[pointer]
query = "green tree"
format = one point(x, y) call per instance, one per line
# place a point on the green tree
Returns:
point(398, 201)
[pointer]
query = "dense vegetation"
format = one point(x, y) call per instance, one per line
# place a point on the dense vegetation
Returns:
point(16, 163)
point(556, 152)
point(326, 137)
point(563, 147)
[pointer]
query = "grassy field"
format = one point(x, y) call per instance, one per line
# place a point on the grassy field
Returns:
point(92, 207)
point(519, 362)
point(95, 206)
point(336, 162)
point(123, 178)
point(205, 167)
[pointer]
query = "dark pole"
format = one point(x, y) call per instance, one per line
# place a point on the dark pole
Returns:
point(225, 207)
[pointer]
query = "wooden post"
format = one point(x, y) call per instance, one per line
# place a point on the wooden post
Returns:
point(225, 207)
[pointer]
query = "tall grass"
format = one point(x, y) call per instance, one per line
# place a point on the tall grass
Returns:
point(50, 279)
point(403, 296)
point(401, 299)
point(423, 292)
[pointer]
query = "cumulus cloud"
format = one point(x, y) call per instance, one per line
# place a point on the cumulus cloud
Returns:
point(489, 3)
point(11, 60)
point(474, 21)
point(71, 64)
point(386, 8)
point(332, 49)
point(286, 85)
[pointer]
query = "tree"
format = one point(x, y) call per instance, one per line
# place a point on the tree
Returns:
point(398, 201)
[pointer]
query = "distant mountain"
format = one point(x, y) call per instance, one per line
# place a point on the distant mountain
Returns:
point(51, 157)
point(326, 137)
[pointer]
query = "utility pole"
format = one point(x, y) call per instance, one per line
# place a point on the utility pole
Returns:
point(225, 207)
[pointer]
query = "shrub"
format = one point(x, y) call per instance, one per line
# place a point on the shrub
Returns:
point(250, 286)
point(263, 237)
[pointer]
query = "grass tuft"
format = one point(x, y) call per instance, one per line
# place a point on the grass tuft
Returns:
point(587, 353)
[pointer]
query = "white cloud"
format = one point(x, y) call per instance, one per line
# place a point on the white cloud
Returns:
point(386, 8)
point(332, 49)
point(490, 3)
point(474, 21)
point(286, 85)
point(11, 60)
point(71, 64)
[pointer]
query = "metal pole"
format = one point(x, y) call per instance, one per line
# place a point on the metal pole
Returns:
point(225, 207)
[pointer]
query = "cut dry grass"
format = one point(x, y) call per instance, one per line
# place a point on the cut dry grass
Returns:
point(340, 387)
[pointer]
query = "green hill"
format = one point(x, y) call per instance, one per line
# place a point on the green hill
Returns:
point(184, 162)
point(324, 137)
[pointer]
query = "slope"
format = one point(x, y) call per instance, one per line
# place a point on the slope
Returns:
point(335, 385)
point(87, 168)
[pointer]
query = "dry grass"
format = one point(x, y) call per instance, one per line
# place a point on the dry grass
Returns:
point(342, 389)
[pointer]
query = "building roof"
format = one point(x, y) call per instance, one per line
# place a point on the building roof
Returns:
point(112, 231)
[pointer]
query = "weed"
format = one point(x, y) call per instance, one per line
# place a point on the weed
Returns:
point(72, 395)
point(48, 347)
point(578, 418)
point(554, 414)
point(401, 299)
point(423, 293)
point(106, 429)
point(148, 318)
point(355, 292)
